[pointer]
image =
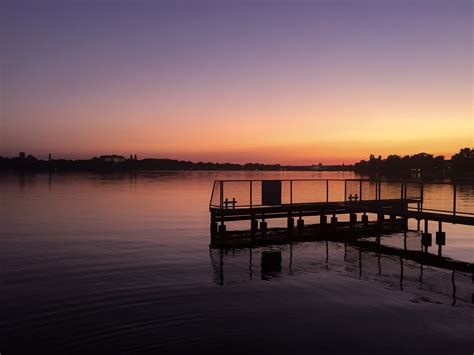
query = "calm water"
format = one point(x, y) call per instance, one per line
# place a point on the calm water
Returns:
point(122, 264)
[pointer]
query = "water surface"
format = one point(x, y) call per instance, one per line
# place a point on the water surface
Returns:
point(122, 264)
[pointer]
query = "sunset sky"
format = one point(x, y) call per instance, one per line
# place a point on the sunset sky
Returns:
point(239, 81)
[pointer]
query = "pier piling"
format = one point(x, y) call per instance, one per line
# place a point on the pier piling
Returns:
point(290, 222)
point(253, 225)
point(352, 219)
point(222, 228)
point(323, 220)
point(300, 224)
point(333, 221)
point(263, 227)
point(426, 237)
point(365, 219)
point(440, 238)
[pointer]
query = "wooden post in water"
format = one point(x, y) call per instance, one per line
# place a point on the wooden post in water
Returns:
point(334, 220)
point(380, 220)
point(213, 225)
point(300, 223)
point(290, 222)
point(440, 238)
point(323, 219)
point(253, 225)
point(263, 226)
point(426, 238)
point(365, 219)
point(352, 219)
point(380, 217)
point(222, 228)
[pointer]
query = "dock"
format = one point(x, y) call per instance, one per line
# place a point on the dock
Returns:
point(340, 206)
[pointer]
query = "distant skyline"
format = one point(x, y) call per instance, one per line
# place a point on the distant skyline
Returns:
point(236, 81)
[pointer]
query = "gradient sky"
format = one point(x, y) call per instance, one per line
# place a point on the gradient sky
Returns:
point(264, 81)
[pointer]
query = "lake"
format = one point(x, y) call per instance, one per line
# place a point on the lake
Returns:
point(121, 263)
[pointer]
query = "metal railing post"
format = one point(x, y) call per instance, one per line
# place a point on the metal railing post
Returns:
point(327, 190)
point(345, 190)
point(421, 197)
point(402, 202)
point(291, 192)
point(250, 193)
point(222, 194)
point(454, 200)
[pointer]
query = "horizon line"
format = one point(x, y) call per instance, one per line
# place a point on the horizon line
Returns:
point(132, 156)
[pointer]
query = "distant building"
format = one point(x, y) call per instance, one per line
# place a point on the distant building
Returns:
point(22, 155)
point(112, 158)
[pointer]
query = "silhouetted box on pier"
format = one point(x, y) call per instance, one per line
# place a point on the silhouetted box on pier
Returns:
point(271, 192)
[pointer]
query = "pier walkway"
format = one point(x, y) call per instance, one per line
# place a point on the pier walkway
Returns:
point(258, 201)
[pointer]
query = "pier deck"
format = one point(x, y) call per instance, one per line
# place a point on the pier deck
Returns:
point(258, 201)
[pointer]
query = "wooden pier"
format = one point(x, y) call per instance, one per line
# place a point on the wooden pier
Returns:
point(259, 201)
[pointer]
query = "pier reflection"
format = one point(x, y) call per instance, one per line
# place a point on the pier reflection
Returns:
point(420, 282)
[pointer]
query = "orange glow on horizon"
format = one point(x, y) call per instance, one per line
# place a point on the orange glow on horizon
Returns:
point(287, 87)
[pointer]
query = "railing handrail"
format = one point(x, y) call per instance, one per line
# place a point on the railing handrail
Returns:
point(353, 179)
point(378, 184)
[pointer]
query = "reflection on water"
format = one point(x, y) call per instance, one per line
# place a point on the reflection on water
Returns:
point(420, 282)
point(120, 264)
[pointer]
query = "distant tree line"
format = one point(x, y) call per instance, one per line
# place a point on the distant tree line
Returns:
point(421, 165)
point(27, 163)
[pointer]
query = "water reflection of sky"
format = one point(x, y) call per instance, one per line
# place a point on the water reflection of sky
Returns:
point(121, 263)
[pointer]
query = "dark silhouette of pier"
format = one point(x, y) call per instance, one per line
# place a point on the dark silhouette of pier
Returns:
point(392, 202)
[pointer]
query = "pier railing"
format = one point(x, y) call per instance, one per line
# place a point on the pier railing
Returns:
point(438, 197)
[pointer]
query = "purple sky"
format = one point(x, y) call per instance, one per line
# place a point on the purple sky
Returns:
point(289, 82)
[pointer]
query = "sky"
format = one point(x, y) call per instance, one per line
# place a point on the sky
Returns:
point(290, 82)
